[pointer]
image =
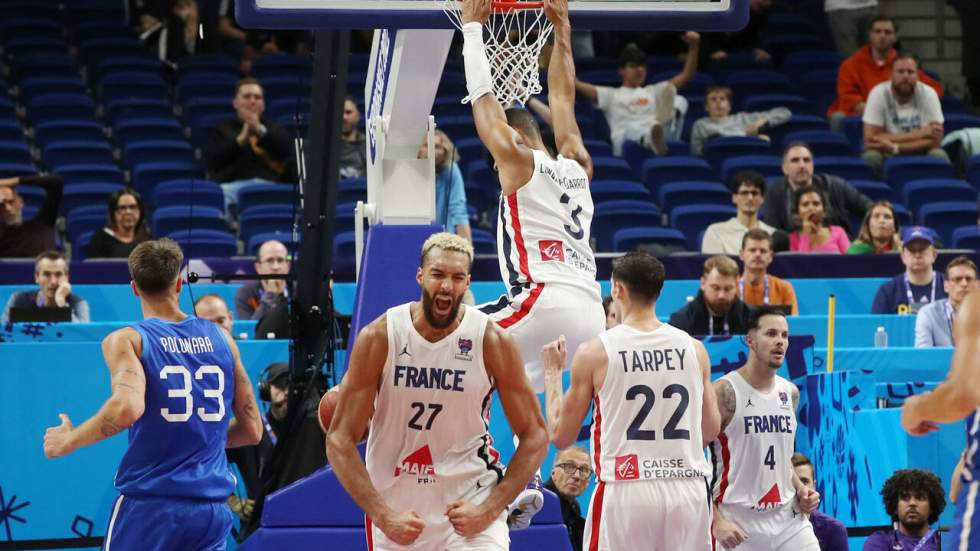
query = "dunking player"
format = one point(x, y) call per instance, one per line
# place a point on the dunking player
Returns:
point(423, 374)
point(760, 503)
point(545, 209)
point(176, 379)
point(957, 398)
point(654, 412)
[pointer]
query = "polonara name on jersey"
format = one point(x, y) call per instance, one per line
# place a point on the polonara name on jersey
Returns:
point(187, 345)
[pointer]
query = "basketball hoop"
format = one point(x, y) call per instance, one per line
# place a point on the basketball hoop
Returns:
point(514, 35)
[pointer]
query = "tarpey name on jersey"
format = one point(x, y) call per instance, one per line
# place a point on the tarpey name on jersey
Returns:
point(667, 359)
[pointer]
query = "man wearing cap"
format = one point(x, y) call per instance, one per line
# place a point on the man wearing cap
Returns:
point(919, 284)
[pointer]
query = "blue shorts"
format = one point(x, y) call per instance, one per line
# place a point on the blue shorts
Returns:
point(166, 524)
point(965, 534)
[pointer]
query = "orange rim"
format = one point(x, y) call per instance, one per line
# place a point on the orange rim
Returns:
point(512, 5)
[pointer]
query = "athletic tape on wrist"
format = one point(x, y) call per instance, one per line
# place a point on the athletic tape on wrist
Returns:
point(478, 78)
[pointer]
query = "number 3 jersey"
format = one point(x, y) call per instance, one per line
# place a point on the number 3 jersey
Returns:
point(177, 448)
point(647, 414)
point(543, 231)
point(429, 442)
point(751, 457)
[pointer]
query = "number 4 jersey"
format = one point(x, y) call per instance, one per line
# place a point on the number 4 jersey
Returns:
point(647, 414)
point(429, 442)
point(177, 448)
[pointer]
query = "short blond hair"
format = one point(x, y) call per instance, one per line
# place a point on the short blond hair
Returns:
point(447, 242)
point(725, 266)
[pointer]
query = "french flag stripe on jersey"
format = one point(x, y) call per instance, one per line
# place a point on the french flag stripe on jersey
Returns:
point(525, 308)
point(515, 223)
point(369, 532)
point(597, 438)
point(726, 459)
point(596, 516)
point(513, 278)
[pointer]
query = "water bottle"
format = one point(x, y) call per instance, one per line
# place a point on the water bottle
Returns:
point(881, 338)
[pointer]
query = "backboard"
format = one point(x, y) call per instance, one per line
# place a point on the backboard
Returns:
point(646, 15)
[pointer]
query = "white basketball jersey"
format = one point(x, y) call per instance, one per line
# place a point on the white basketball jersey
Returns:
point(544, 228)
point(429, 442)
point(647, 415)
point(751, 456)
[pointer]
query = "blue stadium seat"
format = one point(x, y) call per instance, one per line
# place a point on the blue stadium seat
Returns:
point(11, 130)
point(207, 63)
point(959, 121)
point(287, 107)
point(200, 131)
point(15, 152)
point(54, 131)
point(849, 168)
point(902, 214)
point(289, 86)
point(352, 190)
point(188, 192)
point(132, 84)
point(598, 148)
point(661, 170)
point(198, 243)
point(484, 242)
point(611, 168)
point(269, 66)
point(767, 165)
point(343, 245)
point(147, 175)
point(44, 64)
point(697, 86)
point(779, 45)
point(823, 143)
point(200, 85)
point(735, 62)
point(755, 82)
point(718, 149)
point(256, 241)
point(934, 190)
point(127, 64)
point(79, 247)
point(875, 190)
point(765, 102)
point(694, 218)
point(853, 129)
point(88, 30)
point(134, 108)
point(94, 50)
point(611, 190)
point(614, 215)
point(973, 171)
point(966, 237)
point(261, 220)
point(635, 154)
point(946, 216)
point(657, 241)
point(952, 104)
point(25, 45)
point(75, 152)
point(195, 109)
point(8, 170)
point(50, 107)
point(40, 85)
point(899, 170)
point(146, 128)
point(88, 173)
point(149, 151)
point(266, 194)
point(87, 194)
point(676, 194)
point(800, 62)
point(820, 88)
point(85, 219)
point(168, 220)
point(33, 196)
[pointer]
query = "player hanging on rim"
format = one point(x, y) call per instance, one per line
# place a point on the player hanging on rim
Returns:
point(545, 210)
point(760, 503)
point(654, 412)
point(423, 374)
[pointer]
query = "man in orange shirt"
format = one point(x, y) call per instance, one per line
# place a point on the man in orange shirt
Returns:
point(868, 67)
point(756, 287)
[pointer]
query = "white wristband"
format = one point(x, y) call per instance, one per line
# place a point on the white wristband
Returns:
point(478, 79)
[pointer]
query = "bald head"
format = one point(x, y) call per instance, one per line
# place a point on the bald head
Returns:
point(273, 258)
point(213, 308)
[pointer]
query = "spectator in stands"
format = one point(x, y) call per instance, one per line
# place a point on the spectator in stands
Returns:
point(902, 117)
point(830, 532)
point(170, 30)
point(848, 21)
point(867, 68)
point(254, 299)
point(756, 286)
point(637, 111)
point(879, 231)
point(249, 148)
point(720, 121)
point(969, 12)
point(450, 192)
point(842, 200)
point(353, 152)
point(125, 227)
point(934, 322)
point(813, 234)
point(249, 45)
point(749, 39)
point(21, 238)
point(570, 476)
point(716, 310)
point(212, 307)
point(919, 284)
point(748, 189)
point(913, 499)
point(54, 290)
point(613, 315)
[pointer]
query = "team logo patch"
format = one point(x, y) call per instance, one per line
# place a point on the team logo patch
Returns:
point(552, 249)
point(771, 500)
point(627, 467)
point(463, 347)
point(418, 464)
point(784, 400)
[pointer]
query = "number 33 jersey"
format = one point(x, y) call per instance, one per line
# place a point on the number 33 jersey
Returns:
point(647, 414)
point(177, 448)
point(544, 228)
point(429, 442)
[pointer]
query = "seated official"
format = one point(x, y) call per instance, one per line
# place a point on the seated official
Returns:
point(934, 322)
point(54, 290)
point(570, 476)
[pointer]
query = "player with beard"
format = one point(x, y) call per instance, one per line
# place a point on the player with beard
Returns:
point(422, 375)
point(760, 502)
point(913, 499)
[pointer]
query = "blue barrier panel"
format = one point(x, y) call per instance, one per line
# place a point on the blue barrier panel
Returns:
point(889, 365)
point(85, 332)
point(68, 497)
point(856, 330)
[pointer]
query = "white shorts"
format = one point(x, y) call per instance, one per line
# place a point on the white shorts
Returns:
point(655, 515)
point(540, 315)
point(439, 536)
point(784, 529)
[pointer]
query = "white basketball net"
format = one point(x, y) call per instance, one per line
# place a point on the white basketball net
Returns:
point(514, 36)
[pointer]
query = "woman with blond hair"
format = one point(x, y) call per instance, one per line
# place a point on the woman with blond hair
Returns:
point(879, 231)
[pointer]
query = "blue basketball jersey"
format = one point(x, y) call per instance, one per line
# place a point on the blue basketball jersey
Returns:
point(971, 467)
point(177, 448)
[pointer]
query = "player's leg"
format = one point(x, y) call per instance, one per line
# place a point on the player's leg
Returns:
point(793, 531)
point(687, 518)
point(965, 533)
point(495, 538)
point(597, 519)
point(214, 521)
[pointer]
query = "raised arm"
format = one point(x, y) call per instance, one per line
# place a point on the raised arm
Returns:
point(693, 41)
point(566, 412)
point(561, 88)
point(515, 162)
point(121, 350)
point(710, 416)
point(246, 428)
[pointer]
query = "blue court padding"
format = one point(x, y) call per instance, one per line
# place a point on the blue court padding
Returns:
point(893, 364)
point(85, 332)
